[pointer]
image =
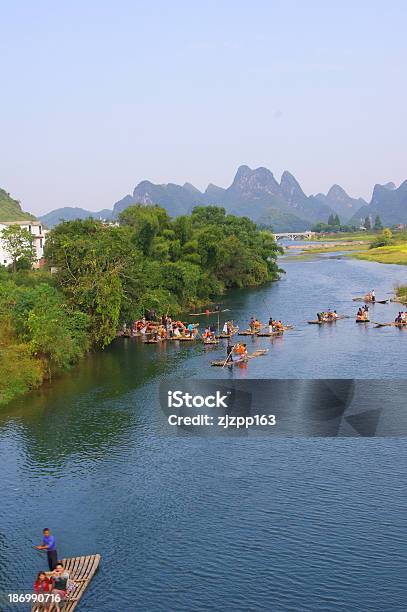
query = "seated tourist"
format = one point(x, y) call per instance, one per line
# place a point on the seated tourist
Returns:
point(60, 583)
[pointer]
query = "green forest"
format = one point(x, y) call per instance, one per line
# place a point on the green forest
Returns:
point(10, 209)
point(106, 275)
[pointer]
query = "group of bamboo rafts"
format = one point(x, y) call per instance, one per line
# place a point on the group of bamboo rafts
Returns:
point(362, 314)
point(166, 329)
point(153, 332)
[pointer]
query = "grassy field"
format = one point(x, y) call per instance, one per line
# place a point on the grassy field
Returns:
point(358, 246)
point(401, 293)
point(393, 254)
point(347, 237)
point(337, 248)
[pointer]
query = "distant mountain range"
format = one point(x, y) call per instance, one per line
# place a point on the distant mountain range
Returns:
point(69, 213)
point(389, 202)
point(258, 195)
point(10, 210)
point(254, 193)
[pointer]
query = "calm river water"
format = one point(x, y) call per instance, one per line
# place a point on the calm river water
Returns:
point(194, 524)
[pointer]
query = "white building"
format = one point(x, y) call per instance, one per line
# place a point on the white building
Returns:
point(38, 233)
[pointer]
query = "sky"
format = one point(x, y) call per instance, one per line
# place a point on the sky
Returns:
point(99, 95)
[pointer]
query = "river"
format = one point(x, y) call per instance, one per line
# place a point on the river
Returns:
point(193, 524)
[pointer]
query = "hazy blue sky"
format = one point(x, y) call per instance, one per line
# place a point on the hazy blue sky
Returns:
point(98, 95)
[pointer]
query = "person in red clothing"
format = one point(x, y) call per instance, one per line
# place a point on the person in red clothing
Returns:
point(42, 586)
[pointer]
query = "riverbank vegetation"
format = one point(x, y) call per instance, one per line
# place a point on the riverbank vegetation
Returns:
point(347, 236)
point(150, 261)
point(387, 247)
point(39, 334)
point(105, 275)
point(401, 293)
point(334, 226)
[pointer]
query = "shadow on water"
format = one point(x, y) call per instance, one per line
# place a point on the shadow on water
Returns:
point(88, 410)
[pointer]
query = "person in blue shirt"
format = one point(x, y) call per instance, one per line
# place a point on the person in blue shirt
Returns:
point(191, 330)
point(49, 544)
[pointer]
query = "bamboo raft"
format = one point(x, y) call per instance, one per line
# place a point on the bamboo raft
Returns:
point(277, 332)
point(222, 335)
point(362, 320)
point(332, 320)
point(394, 324)
point(180, 339)
point(222, 362)
point(81, 571)
point(200, 314)
point(362, 299)
point(184, 338)
point(270, 334)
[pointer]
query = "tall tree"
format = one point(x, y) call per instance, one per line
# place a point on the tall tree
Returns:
point(378, 225)
point(367, 224)
point(99, 271)
point(147, 222)
point(18, 243)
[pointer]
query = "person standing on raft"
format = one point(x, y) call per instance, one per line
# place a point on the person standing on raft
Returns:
point(49, 544)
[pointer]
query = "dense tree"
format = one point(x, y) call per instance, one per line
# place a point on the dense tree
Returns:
point(367, 224)
point(114, 274)
point(99, 271)
point(326, 228)
point(39, 334)
point(108, 274)
point(18, 243)
point(147, 222)
point(378, 223)
point(383, 239)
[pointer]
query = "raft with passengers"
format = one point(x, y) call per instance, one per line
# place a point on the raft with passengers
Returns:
point(370, 298)
point(329, 316)
point(237, 354)
point(399, 321)
point(273, 328)
point(362, 315)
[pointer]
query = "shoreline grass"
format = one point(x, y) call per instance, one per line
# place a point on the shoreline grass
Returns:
point(401, 293)
point(338, 248)
point(347, 236)
point(392, 254)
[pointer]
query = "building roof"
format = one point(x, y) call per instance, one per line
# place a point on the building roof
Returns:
point(24, 222)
